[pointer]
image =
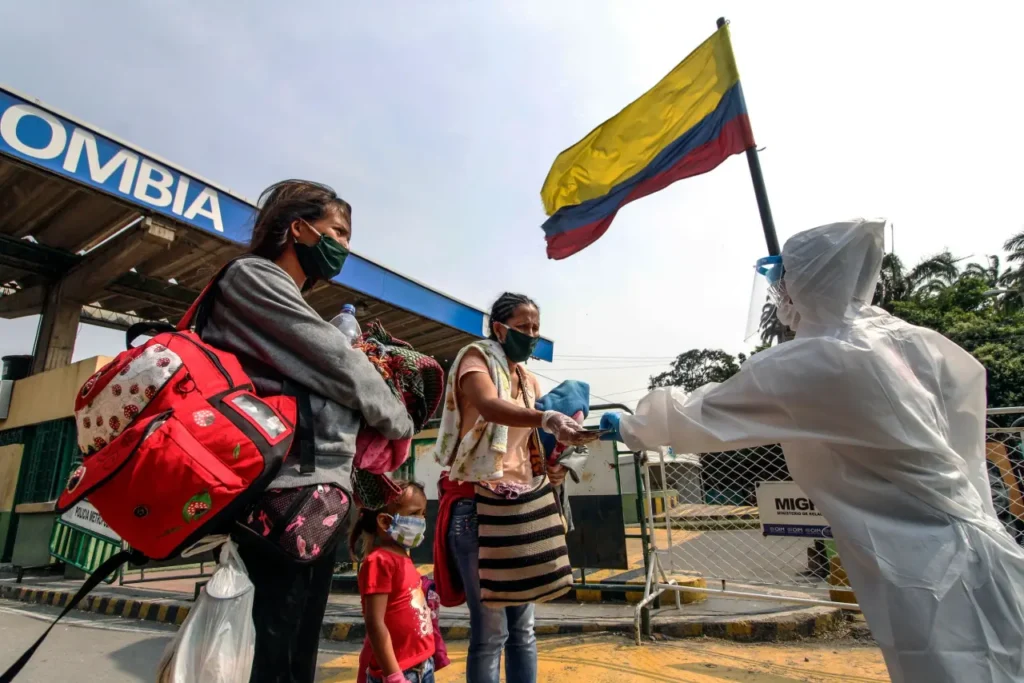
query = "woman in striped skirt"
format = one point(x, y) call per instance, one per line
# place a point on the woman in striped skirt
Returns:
point(500, 541)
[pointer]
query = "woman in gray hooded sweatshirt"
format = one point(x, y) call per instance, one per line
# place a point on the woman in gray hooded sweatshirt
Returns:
point(302, 233)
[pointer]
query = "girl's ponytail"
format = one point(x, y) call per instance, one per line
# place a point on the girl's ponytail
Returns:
point(364, 529)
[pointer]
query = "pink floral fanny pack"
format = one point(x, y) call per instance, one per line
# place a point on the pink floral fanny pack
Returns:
point(303, 523)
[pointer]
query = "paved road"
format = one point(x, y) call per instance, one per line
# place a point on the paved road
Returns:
point(97, 649)
point(94, 649)
point(744, 556)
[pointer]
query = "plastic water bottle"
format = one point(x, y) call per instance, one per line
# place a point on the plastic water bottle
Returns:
point(347, 323)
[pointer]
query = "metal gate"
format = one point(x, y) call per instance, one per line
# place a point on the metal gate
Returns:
point(80, 548)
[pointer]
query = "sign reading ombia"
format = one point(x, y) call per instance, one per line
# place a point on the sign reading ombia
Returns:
point(84, 516)
point(58, 145)
point(786, 511)
point(40, 137)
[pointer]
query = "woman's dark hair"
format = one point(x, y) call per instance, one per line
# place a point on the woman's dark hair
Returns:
point(364, 528)
point(282, 204)
point(504, 309)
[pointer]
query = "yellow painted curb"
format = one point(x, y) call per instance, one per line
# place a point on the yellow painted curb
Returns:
point(837, 577)
point(739, 629)
point(668, 598)
point(457, 633)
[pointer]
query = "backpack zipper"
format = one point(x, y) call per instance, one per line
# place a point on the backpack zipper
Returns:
point(210, 355)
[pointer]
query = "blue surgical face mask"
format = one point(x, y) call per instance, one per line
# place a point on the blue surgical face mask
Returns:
point(407, 531)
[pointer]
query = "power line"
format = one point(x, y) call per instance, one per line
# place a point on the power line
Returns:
point(609, 367)
point(629, 391)
point(558, 381)
point(603, 398)
point(568, 356)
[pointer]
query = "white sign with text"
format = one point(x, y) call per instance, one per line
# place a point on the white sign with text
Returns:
point(84, 516)
point(785, 510)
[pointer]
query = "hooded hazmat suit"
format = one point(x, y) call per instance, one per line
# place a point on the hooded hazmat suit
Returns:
point(882, 425)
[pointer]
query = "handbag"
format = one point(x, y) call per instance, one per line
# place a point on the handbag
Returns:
point(300, 523)
point(542, 558)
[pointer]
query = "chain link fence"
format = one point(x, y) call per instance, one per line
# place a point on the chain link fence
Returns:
point(709, 524)
point(706, 521)
point(1004, 455)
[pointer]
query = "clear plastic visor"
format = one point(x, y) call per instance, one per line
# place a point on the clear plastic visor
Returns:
point(764, 295)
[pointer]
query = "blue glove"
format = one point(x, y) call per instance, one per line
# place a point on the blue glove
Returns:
point(610, 423)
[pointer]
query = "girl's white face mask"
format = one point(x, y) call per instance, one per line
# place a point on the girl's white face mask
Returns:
point(407, 531)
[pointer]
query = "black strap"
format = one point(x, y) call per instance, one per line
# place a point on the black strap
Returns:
point(102, 572)
point(304, 428)
point(145, 328)
point(205, 304)
point(304, 432)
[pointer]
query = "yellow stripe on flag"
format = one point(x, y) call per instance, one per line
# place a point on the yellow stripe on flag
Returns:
point(624, 144)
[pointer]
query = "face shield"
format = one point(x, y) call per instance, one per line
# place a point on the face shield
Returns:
point(765, 294)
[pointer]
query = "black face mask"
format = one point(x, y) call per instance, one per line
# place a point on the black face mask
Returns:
point(323, 260)
point(320, 261)
point(518, 346)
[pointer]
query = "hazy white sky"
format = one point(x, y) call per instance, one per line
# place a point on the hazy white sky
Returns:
point(439, 121)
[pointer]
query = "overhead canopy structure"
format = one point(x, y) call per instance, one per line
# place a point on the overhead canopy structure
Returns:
point(96, 230)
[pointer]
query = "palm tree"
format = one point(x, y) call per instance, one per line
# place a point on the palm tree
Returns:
point(1005, 285)
point(1015, 245)
point(992, 275)
point(934, 274)
point(893, 283)
point(927, 278)
point(1014, 277)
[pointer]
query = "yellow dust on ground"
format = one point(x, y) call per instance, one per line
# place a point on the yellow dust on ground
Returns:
point(615, 659)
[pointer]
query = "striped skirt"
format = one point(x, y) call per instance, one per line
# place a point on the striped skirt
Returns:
point(523, 554)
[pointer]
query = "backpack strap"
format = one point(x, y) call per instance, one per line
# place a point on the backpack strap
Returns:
point(196, 316)
point(304, 428)
point(102, 572)
point(197, 313)
point(145, 328)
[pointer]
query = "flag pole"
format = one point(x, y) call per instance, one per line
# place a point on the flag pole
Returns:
point(760, 192)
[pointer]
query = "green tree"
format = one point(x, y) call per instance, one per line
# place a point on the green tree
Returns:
point(697, 367)
point(1004, 285)
point(927, 278)
point(1015, 254)
point(893, 284)
point(990, 273)
point(936, 273)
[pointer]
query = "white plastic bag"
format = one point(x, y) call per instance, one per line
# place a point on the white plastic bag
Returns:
point(217, 641)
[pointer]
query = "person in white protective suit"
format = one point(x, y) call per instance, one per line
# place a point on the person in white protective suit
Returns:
point(882, 424)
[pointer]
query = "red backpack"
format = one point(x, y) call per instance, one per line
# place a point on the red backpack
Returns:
point(176, 445)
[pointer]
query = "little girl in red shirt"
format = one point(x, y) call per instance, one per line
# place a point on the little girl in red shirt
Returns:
point(399, 644)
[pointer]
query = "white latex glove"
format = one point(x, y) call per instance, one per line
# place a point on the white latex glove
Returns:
point(563, 427)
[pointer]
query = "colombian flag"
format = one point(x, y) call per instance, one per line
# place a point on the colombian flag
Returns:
point(685, 125)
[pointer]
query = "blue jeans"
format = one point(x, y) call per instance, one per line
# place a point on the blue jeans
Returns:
point(424, 674)
point(490, 630)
